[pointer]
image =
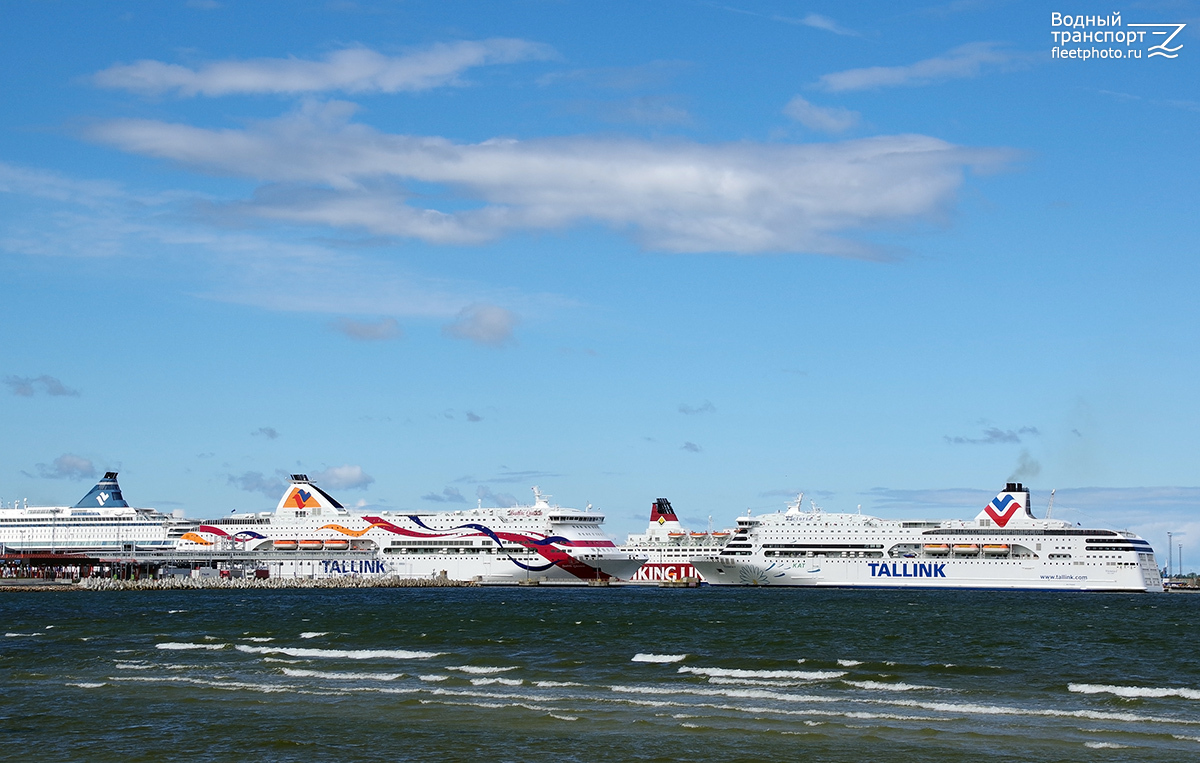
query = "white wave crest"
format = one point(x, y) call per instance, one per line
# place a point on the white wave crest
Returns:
point(501, 681)
point(133, 666)
point(554, 684)
point(85, 685)
point(313, 634)
point(433, 678)
point(183, 645)
point(259, 639)
point(345, 654)
point(881, 686)
point(663, 658)
point(849, 663)
point(1134, 692)
point(564, 717)
point(482, 670)
point(299, 673)
point(17, 635)
point(1106, 746)
point(805, 675)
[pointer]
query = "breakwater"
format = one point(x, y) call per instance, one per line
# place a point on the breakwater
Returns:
point(207, 583)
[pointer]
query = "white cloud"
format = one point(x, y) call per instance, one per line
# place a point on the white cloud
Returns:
point(817, 21)
point(346, 477)
point(257, 482)
point(353, 70)
point(831, 119)
point(964, 61)
point(368, 331)
point(483, 324)
point(814, 20)
point(448, 495)
point(68, 466)
point(672, 195)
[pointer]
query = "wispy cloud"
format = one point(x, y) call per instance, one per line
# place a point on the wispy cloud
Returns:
point(483, 324)
point(692, 410)
point(503, 500)
point(814, 20)
point(353, 70)
point(691, 447)
point(673, 196)
point(368, 331)
point(830, 119)
point(66, 467)
point(965, 61)
point(526, 476)
point(448, 495)
point(347, 477)
point(473, 417)
point(267, 432)
point(637, 77)
point(995, 436)
point(257, 482)
point(27, 386)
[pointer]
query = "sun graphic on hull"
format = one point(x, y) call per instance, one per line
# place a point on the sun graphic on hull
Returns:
point(750, 574)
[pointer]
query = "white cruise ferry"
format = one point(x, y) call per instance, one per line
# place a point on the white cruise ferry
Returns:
point(1005, 546)
point(669, 548)
point(536, 543)
point(101, 521)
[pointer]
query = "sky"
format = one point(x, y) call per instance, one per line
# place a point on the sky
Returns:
point(433, 254)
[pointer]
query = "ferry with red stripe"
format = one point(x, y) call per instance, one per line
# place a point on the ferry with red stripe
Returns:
point(538, 543)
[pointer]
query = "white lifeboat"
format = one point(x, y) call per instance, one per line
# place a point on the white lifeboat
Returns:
point(966, 549)
point(337, 544)
point(285, 545)
point(937, 549)
point(995, 549)
point(312, 545)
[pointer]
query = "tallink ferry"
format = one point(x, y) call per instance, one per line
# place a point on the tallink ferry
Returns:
point(101, 521)
point(1005, 546)
point(537, 543)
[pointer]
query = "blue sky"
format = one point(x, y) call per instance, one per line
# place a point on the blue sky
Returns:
point(437, 253)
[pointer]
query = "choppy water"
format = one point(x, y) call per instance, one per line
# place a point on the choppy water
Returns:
point(599, 674)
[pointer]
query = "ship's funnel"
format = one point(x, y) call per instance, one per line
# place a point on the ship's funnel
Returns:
point(106, 494)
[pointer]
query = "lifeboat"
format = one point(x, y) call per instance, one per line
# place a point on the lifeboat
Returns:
point(284, 545)
point(937, 549)
point(699, 535)
point(965, 549)
point(675, 535)
point(995, 549)
point(312, 545)
point(720, 534)
point(337, 544)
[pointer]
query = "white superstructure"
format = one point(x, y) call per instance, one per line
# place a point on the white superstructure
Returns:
point(101, 521)
point(535, 543)
point(669, 548)
point(1005, 546)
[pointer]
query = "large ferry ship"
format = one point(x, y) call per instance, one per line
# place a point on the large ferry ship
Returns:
point(669, 548)
point(101, 521)
point(537, 543)
point(1005, 546)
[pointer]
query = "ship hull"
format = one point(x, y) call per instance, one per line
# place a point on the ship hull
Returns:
point(931, 574)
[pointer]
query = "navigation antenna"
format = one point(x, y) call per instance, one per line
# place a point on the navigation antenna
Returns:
point(1050, 508)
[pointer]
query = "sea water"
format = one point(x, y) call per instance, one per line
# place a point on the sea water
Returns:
point(599, 674)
